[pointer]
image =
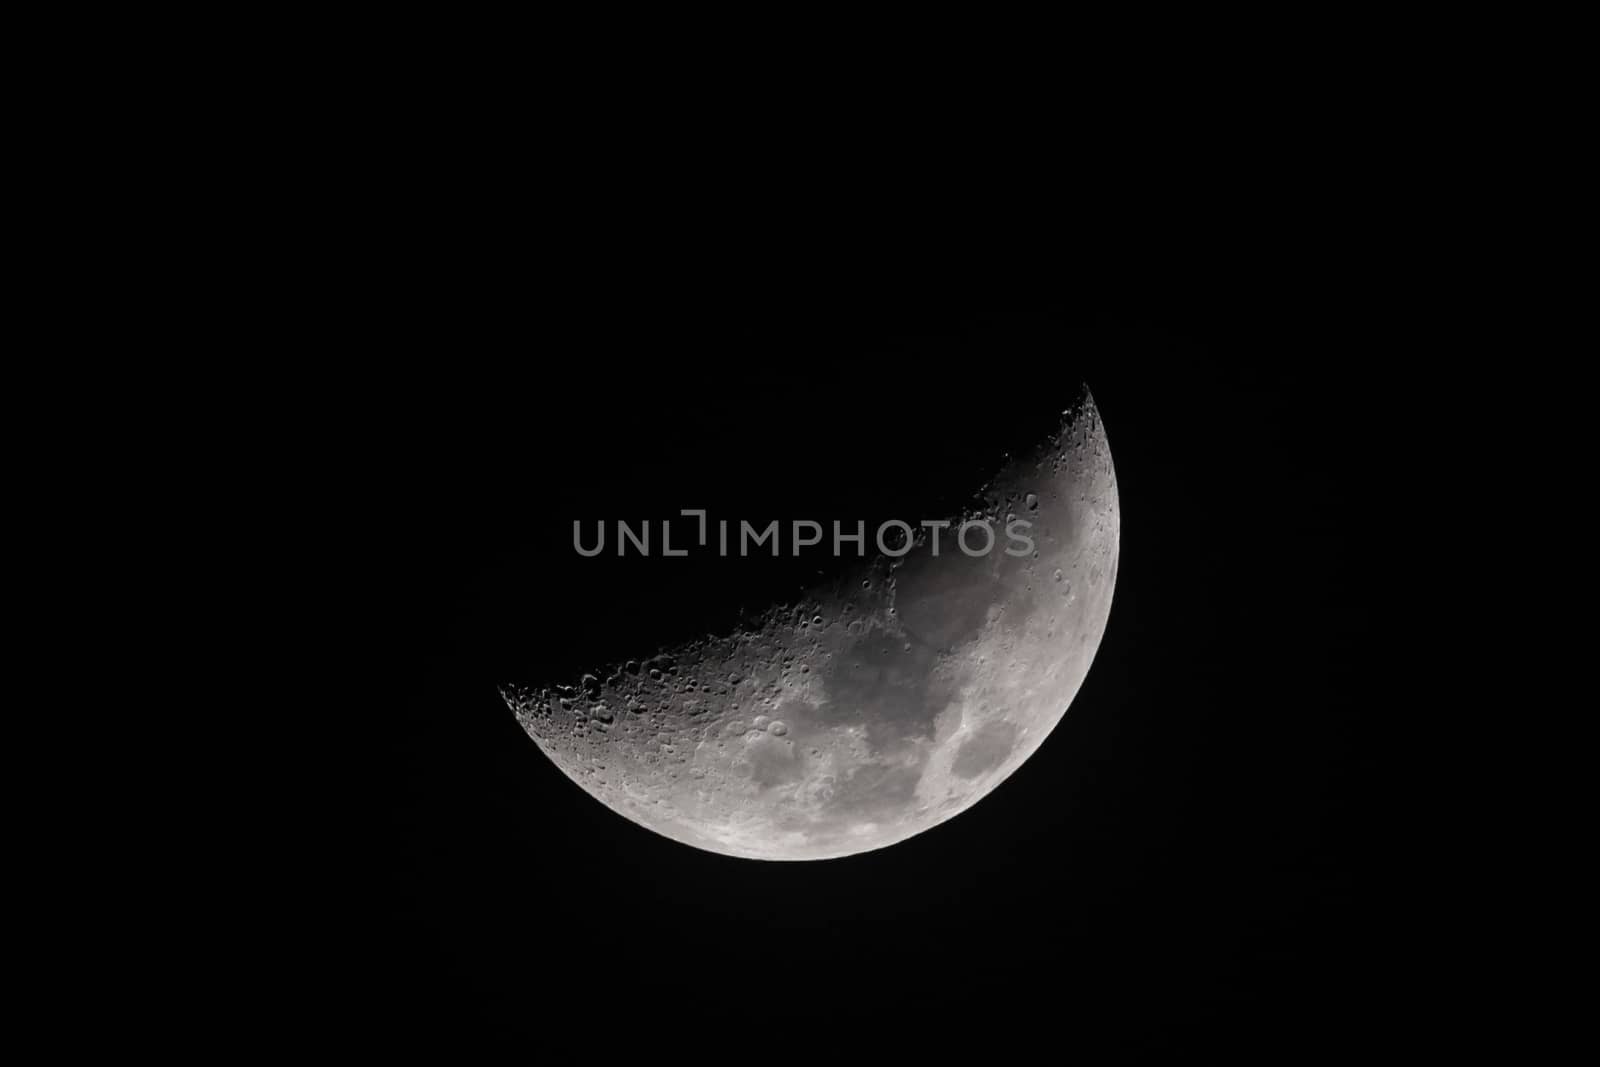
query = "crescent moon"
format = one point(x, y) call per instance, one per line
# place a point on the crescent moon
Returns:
point(872, 709)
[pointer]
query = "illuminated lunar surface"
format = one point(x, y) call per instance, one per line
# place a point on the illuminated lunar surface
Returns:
point(875, 707)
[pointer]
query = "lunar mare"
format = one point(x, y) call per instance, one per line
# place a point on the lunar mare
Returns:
point(873, 708)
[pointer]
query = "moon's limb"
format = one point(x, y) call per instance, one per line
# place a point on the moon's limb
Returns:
point(876, 708)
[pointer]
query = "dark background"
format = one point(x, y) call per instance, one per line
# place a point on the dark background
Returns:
point(1190, 852)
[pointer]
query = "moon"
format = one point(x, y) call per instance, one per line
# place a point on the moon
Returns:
point(873, 708)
